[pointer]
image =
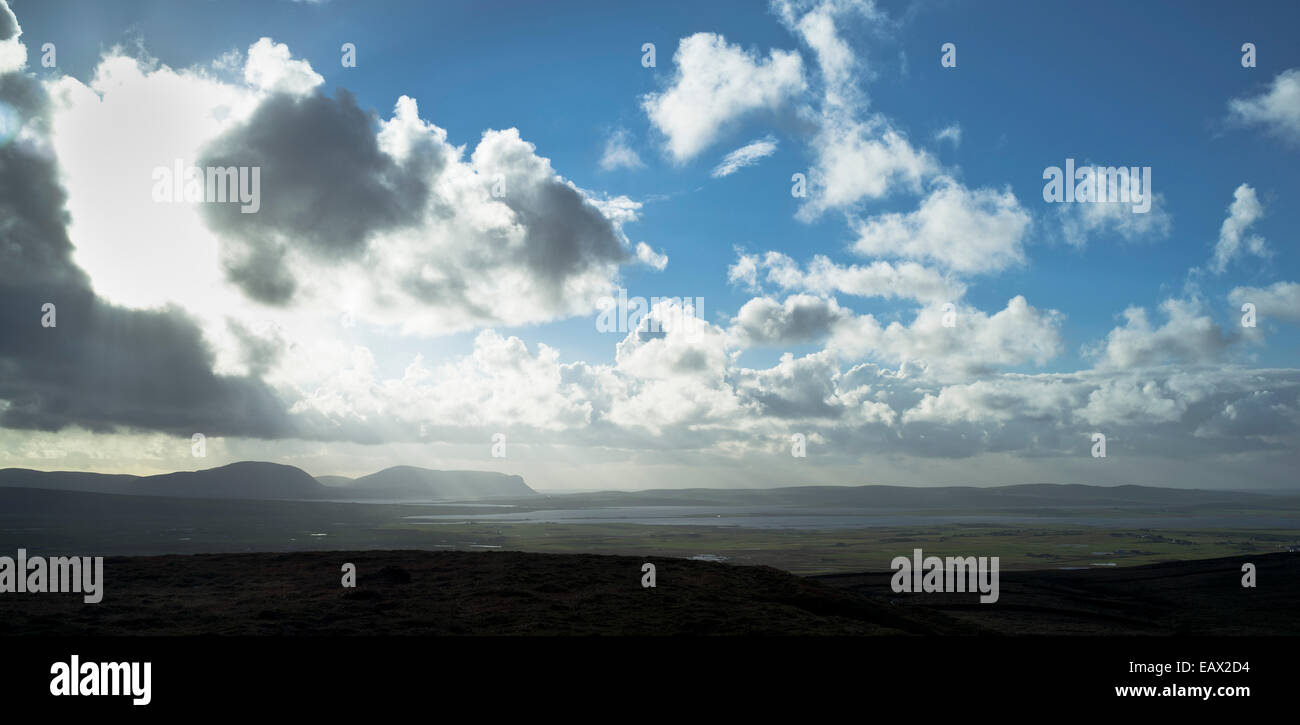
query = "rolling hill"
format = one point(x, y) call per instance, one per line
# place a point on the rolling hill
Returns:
point(271, 481)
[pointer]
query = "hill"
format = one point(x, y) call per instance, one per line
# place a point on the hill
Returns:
point(407, 482)
point(514, 593)
point(458, 593)
point(271, 481)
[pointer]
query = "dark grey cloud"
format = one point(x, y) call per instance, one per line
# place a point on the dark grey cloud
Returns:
point(8, 22)
point(326, 187)
point(102, 366)
point(566, 235)
point(802, 319)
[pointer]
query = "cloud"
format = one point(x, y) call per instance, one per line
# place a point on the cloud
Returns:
point(329, 186)
point(805, 389)
point(714, 85)
point(100, 367)
point(904, 280)
point(271, 68)
point(860, 160)
point(164, 321)
point(1277, 109)
point(1082, 221)
point(646, 255)
point(800, 319)
point(952, 134)
point(746, 155)
point(1267, 415)
point(857, 155)
point(382, 219)
point(13, 54)
point(959, 229)
point(1280, 300)
point(1186, 337)
point(974, 344)
point(1244, 211)
point(618, 154)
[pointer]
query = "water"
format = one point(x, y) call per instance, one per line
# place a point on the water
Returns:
point(793, 517)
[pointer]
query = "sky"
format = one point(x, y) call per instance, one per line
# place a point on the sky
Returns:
point(836, 215)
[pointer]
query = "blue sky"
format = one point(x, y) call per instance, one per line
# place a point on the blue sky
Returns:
point(1123, 84)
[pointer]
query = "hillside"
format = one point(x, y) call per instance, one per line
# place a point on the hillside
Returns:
point(456, 593)
point(271, 481)
point(406, 482)
point(514, 593)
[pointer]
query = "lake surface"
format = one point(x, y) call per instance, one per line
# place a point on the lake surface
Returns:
point(794, 517)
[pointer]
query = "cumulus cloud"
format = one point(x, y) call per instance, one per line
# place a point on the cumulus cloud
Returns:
point(1276, 109)
point(857, 155)
point(649, 257)
point(799, 319)
point(903, 280)
point(1187, 336)
point(975, 343)
point(393, 226)
point(1267, 415)
point(714, 85)
point(1080, 222)
point(189, 318)
point(747, 155)
point(856, 160)
point(13, 54)
point(959, 229)
point(329, 186)
point(1234, 237)
point(100, 366)
point(1280, 300)
point(270, 67)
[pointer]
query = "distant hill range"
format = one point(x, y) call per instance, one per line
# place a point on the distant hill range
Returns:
point(270, 481)
point(255, 480)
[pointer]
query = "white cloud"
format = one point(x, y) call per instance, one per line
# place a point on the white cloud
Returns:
point(1244, 211)
point(714, 85)
point(859, 160)
point(857, 155)
point(649, 257)
point(952, 134)
point(1186, 337)
point(1134, 401)
point(800, 319)
point(618, 154)
point(1277, 109)
point(746, 155)
point(959, 229)
point(13, 54)
point(976, 344)
point(1280, 300)
point(271, 68)
point(545, 250)
point(902, 280)
point(1082, 221)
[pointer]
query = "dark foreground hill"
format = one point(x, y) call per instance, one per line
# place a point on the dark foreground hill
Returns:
point(507, 593)
point(448, 593)
point(1200, 597)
